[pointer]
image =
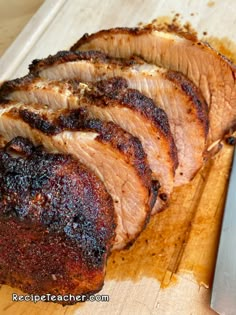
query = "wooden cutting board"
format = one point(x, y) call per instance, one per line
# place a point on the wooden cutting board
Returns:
point(169, 269)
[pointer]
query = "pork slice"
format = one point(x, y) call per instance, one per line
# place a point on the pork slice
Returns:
point(52, 243)
point(111, 100)
point(213, 73)
point(115, 156)
point(182, 101)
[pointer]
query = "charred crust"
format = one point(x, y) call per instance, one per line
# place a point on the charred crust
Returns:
point(116, 89)
point(86, 38)
point(136, 31)
point(39, 122)
point(141, 102)
point(111, 87)
point(194, 95)
point(29, 196)
point(20, 145)
point(110, 92)
point(92, 56)
point(65, 56)
point(76, 120)
point(52, 265)
point(20, 83)
point(5, 103)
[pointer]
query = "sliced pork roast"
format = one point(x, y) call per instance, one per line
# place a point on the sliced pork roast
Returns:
point(206, 68)
point(110, 100)
point(115, 156)
point(182, 101)
point(52, 243)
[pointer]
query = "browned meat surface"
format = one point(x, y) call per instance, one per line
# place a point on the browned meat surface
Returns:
point(110, 100)
point(114, 155)
point(52, 242)
point(179, 97)
point(210, 71)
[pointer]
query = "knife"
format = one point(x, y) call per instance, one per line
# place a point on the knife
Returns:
point(223, 298)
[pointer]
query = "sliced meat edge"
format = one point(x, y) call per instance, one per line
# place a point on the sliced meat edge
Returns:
point(114, 155)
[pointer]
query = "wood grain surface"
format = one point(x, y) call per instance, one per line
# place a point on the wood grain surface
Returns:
point(169, 269)
point(14, 15)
